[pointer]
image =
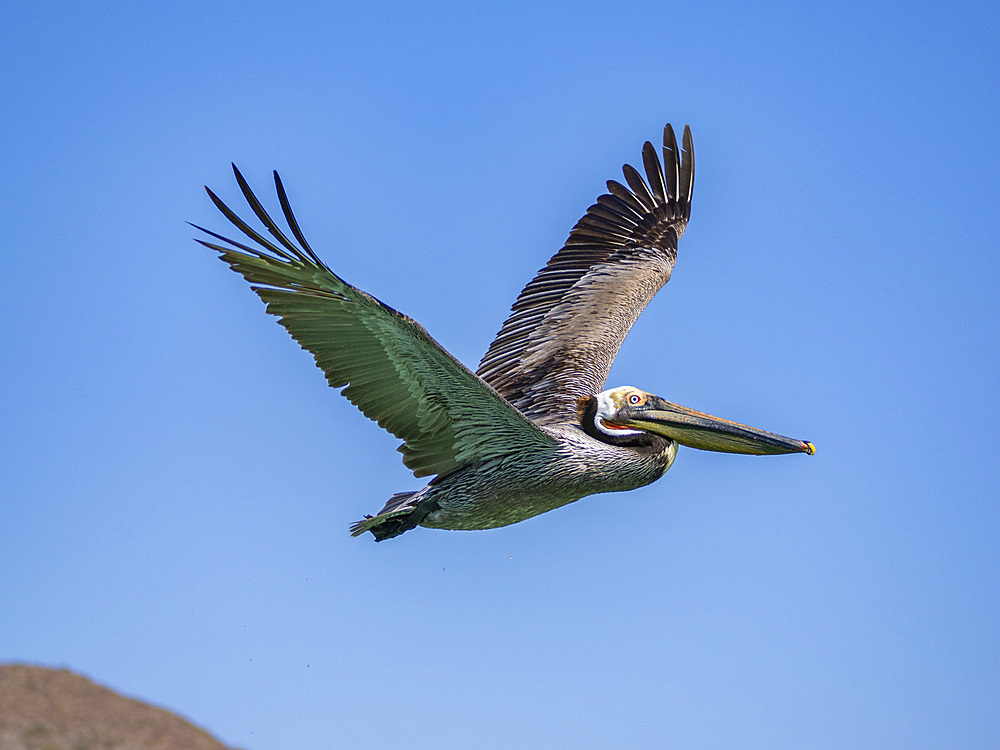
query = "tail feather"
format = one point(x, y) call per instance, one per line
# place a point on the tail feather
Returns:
point(397, 516)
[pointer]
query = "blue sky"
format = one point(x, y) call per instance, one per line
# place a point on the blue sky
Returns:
point(177, 479)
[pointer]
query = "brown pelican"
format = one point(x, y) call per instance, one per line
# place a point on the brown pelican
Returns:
point(533, 428)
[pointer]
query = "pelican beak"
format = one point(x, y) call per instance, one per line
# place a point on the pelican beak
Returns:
point(705, 432)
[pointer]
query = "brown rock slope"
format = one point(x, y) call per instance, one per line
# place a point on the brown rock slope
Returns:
point(55, 709)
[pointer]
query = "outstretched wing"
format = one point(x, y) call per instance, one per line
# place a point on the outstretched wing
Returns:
point(567, 325)
point(392, 369)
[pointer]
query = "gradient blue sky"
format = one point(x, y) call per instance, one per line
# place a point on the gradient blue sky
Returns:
point(177, 479)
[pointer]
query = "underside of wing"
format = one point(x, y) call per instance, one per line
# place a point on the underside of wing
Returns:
point(392, 369)
point(568, 323)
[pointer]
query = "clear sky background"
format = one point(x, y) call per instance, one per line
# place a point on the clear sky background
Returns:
point(177, 479)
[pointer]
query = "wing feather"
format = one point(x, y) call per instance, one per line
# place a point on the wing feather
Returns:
point(386, 363)
point(568, 323)
point(651, 163)
point(639, 188)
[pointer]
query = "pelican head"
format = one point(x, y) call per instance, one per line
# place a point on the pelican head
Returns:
point(627, 411)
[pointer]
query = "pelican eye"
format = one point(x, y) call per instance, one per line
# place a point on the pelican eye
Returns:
point(635, 399)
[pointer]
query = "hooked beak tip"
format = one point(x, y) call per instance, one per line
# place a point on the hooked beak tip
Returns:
point(810, 448)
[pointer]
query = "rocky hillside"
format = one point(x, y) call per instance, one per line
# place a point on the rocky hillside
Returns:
point(55, 709)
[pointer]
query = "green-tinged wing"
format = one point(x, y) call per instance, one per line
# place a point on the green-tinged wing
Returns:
point(393, 370)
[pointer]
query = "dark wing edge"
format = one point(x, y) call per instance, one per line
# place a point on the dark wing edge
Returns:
point(386, 363)
point(568, 323)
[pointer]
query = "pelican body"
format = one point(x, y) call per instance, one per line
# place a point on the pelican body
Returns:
point(533, 428)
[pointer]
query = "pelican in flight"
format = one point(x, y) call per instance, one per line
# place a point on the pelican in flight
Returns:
point(533, 428)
